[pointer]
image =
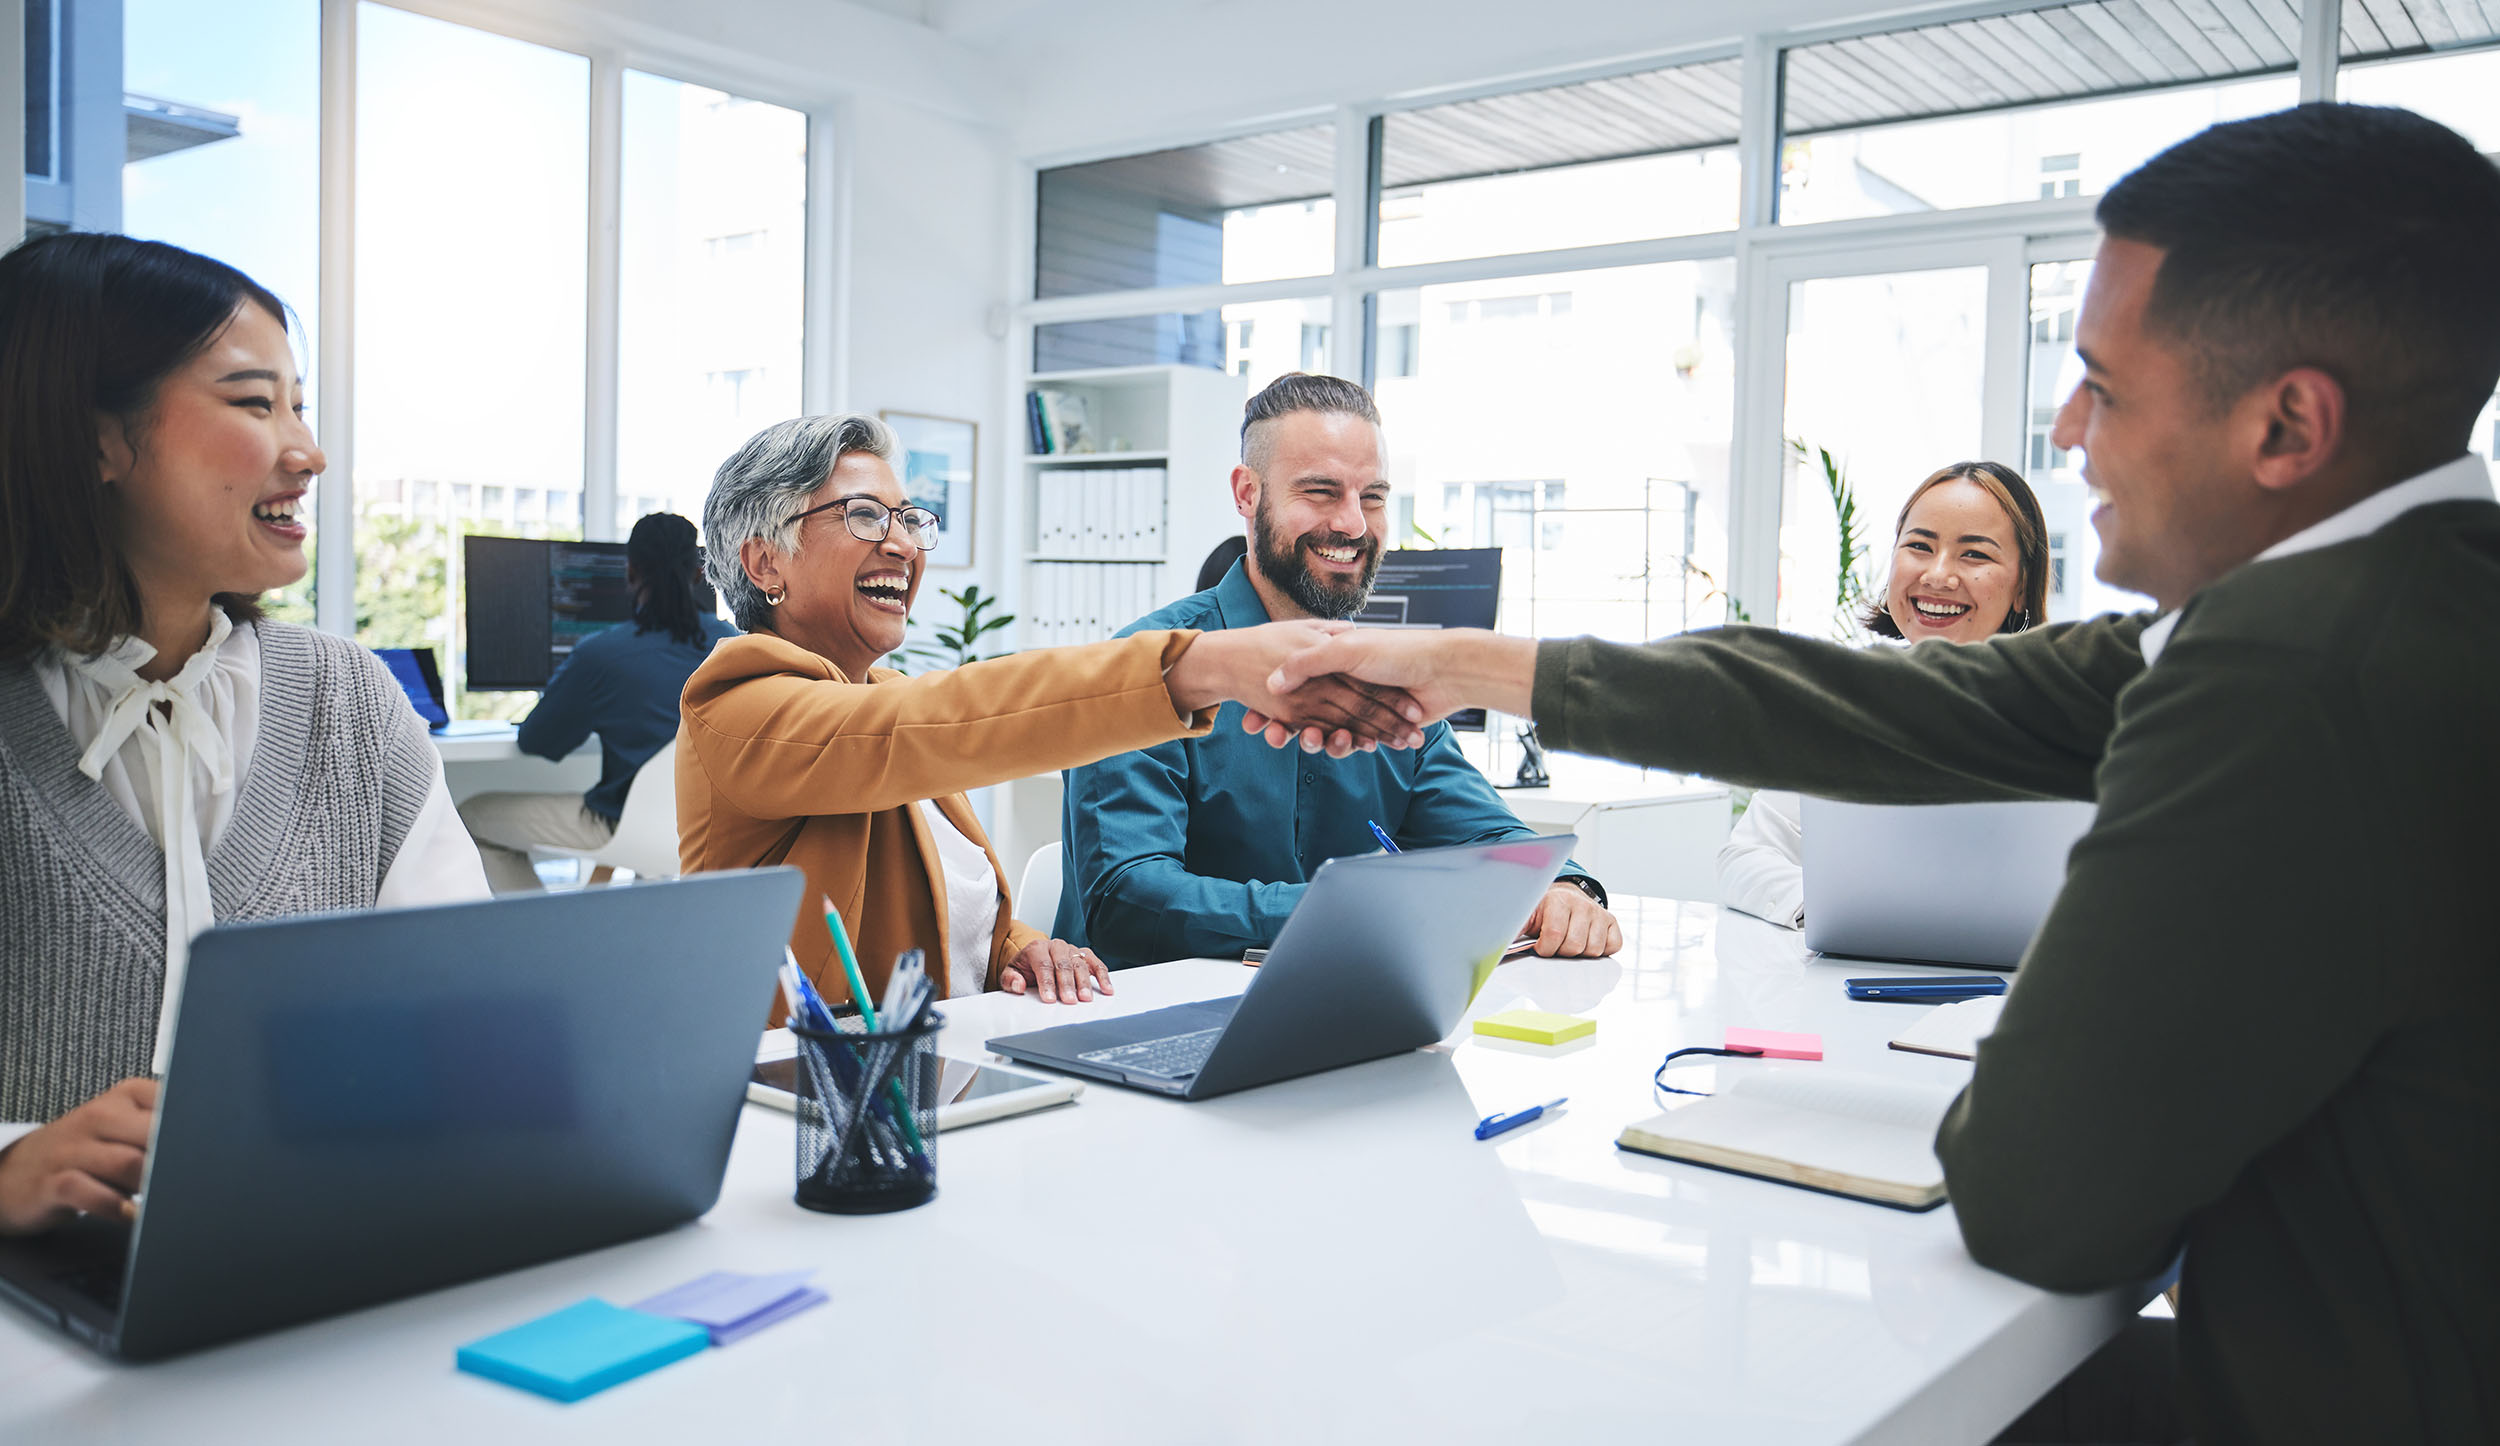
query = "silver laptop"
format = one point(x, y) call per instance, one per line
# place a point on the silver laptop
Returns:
point(1953, 883)
point(1380, 957)
point(364, 1106)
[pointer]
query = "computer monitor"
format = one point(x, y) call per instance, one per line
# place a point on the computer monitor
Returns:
point(531, 599)
point(1457, 587)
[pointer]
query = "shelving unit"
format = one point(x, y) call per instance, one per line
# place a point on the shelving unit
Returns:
point(1186, 420)
point(1183, 420)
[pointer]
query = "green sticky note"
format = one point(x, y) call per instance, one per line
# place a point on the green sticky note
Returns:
point(1536, 1026)
point(582, 1349)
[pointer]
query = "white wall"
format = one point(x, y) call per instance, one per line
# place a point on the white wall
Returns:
point(928, 235)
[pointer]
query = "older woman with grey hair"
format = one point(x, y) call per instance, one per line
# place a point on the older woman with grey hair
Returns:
point(796, 749)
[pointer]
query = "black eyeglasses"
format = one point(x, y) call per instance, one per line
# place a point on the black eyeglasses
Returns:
point(870, 520)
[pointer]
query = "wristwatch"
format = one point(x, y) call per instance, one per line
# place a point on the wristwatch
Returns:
point(1588, 886)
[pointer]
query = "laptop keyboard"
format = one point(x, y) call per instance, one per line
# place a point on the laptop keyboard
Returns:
point(1175, 1056)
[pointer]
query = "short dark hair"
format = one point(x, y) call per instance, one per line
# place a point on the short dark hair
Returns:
point(2031, 543)
point(90, 324)
point(1299, 392)
point(2359, 240)
point(661, 550)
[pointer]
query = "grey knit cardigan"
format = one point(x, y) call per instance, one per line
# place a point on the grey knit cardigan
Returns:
point(338, 775)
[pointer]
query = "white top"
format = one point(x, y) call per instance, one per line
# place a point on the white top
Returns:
point(971, 904)
point(1762, 865)
point(171, 754)
point(2467, 479)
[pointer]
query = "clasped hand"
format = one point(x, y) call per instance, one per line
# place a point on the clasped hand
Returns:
point(1383, 669)
point(1335, 715)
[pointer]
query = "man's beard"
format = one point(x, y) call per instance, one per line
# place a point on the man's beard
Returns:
point(1282, 563)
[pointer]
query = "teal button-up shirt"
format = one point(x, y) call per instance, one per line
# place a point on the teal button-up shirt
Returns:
point(1202, 846)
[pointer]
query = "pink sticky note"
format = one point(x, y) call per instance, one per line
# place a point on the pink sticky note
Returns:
point(1774, 1044)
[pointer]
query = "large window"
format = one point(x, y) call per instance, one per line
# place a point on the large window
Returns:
point(471, 283)
point(1884, 383)
point(1251, 209)
point(712, 275)
point(1260, 340)
point(1578, 421)
point(2037, 105)
point(2461, 92)
point(222, 128)
point(1622, 158)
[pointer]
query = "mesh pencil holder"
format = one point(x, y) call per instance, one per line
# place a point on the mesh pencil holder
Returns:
point(867, 1107)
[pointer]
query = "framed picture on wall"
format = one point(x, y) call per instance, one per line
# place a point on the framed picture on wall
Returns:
point(937, 464)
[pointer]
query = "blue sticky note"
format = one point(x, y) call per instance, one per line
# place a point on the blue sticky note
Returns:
point(581, 1350)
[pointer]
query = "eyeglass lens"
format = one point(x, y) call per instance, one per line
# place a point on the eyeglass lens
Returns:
point(869, 520)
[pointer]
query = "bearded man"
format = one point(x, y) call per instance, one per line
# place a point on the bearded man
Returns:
point(1202, 847)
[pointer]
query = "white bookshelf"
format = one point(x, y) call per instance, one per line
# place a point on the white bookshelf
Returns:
point(1184, 421)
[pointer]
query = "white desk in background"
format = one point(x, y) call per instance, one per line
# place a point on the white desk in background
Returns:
point(487, 758)
point(1331, 1259)
point(1641, 831)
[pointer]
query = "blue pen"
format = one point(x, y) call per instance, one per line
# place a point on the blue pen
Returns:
point(1382, 834)
point(1492, 1125)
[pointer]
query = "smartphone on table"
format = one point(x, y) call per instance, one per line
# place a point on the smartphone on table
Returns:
point(1926, 989)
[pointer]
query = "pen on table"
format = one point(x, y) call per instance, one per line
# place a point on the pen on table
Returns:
point(1387, 843)
point(1492, 1125)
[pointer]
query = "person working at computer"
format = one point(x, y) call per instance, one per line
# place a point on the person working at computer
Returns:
point(1970, 561)
point(170, 756)
point(622, 684)
point(2258, 1022)
point(1203, 845)
point(796, 750)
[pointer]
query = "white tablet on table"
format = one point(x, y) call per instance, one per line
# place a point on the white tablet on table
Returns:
point(968, 1093)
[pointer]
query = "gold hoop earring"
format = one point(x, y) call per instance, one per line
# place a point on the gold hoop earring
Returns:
point(773, 599)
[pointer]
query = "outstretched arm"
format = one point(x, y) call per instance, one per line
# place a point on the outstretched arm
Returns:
point(2024, 716)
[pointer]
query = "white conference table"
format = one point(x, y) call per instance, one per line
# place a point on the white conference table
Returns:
point(1332, 1259)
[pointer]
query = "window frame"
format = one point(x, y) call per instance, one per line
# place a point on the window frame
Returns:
point(823, 379)
point(2006, 238)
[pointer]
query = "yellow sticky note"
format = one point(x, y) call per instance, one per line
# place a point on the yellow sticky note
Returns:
point(1535, 1026)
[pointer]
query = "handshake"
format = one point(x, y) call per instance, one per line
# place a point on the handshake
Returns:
point(1335, 688)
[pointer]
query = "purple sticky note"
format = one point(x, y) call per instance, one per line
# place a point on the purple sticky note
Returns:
point(731, 1305)
point(773, 1314)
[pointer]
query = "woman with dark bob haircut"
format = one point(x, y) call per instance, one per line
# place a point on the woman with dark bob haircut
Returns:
point(169, 758)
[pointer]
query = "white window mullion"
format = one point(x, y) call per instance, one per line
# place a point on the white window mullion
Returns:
point(600, 329)
point(334, 583)
point(824, 372)
point(2321, 30)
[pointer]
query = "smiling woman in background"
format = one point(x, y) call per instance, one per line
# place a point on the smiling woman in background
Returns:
point(168, 757)
point(1970, 560)
point(797, 750)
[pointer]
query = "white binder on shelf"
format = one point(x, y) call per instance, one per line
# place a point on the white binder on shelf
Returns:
point(1150, 491)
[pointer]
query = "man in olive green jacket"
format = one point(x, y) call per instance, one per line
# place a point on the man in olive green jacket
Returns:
point(2262, 1021)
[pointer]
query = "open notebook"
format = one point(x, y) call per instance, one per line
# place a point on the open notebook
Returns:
point(1858, 1135)
point(1953, 1031)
